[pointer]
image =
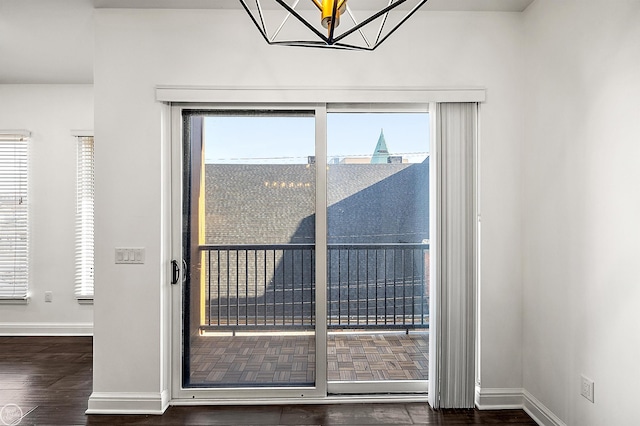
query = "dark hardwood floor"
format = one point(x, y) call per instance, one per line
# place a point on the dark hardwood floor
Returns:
point(49, 379)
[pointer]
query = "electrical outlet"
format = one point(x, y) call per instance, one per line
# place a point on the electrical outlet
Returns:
point(586, 388)
point(48, 296)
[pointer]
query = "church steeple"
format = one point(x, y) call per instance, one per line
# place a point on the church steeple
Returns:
point(381, 153)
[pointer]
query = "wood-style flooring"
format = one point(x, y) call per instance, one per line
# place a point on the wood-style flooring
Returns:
point(365, 357)
point(50, 380)
point(290, 359)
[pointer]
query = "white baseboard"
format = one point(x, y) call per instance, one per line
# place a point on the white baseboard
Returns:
point(128, 403)
point(45, 329)
point(499, 398)
point(539, 412)
point(515, 398)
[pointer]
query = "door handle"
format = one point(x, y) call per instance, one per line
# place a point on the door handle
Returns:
point(175, 271)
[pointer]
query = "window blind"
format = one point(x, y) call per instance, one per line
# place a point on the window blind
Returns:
point(84, 219)
point(14, 215)
point(453, 315)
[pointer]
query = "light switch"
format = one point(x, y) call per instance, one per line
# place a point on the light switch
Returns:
point(129, 255)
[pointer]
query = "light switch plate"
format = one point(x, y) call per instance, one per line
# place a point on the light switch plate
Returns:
point(131, 255)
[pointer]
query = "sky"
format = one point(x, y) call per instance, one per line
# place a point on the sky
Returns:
point(290, 139)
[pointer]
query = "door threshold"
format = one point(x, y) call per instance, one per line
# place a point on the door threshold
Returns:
point(330, 399)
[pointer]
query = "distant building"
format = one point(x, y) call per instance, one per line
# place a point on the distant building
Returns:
point(275, 204)
point(381, 153)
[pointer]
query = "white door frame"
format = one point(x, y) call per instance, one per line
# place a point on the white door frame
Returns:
point(278, 393)
point(284, 99)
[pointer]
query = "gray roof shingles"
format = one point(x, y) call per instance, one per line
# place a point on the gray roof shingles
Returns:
point(274, 204)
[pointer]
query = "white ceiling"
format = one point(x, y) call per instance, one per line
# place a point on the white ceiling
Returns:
point(51, 42)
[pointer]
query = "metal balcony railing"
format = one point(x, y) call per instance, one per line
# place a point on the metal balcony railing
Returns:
point(267, 287)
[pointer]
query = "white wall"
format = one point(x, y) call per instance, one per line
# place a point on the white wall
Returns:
point(50, 112)
point(581, 208)
point(46, 42)
point(138, 49)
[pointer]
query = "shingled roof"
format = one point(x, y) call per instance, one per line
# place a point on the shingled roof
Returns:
point(275, 204)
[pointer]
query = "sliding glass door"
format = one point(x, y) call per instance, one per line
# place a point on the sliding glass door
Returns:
point(378, 252)
point(300, 281)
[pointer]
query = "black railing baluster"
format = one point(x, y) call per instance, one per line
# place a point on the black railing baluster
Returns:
point(255, 287)
point(394, 286)
point(423, 286)
point(329, 288)
point(312, 307)
point(376, 282)
point(293, 287)
point(404, 286)
point(302, 256)
point(358, 287)
point(385, 285)
point(366, 280)
point(414, 268)
point(348, 286)
point(218, 287)
point(274, 287)
point(246, 287)
point(284, 286)
point(237, 287)
point(228, 286)
point(209, 285)
point(266, 282)
point(339, 289)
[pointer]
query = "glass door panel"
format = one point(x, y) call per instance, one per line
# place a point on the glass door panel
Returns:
point(378, 252)
point(249, 312)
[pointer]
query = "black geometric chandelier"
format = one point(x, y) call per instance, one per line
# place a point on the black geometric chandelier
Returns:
point(338, 24)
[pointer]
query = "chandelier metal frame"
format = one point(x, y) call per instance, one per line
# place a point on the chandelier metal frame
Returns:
point(330, 40)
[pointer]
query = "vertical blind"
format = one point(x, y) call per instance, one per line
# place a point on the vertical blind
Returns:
point(84, 219)
point(14, 215)
point(453, 319)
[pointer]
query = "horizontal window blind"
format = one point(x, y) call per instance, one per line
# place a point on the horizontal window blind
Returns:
point(84, 219)
point(14, 215)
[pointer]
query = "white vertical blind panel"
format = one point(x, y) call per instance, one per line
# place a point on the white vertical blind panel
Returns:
point(454, 332)
point(84, 219)
point(14, 217)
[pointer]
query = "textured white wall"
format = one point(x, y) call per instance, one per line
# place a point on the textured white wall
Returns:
point(581, 208)
point(50, 112)
point(138, 49)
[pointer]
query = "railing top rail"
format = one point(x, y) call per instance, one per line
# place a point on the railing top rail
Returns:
point(257, 246)
point(293, 246)
point(377, 246)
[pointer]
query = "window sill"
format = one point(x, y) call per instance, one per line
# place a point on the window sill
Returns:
point(85, 301)
point(22, 301)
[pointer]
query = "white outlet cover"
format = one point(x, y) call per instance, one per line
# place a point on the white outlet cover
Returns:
point(586, 388)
